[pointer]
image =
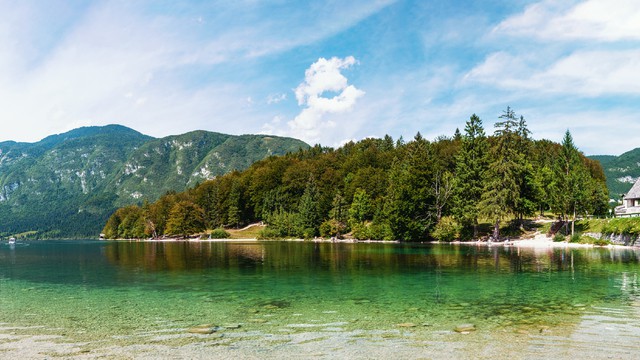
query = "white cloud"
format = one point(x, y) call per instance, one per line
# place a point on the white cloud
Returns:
point(601, 20)
point(584, 73)
point(590, 50)
point(181, 70)
point(323, 76)
point(276, 98)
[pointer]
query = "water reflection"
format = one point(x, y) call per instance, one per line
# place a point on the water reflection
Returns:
point(344, 257)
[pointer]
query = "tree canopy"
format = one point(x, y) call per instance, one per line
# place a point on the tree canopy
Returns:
point(386, 189)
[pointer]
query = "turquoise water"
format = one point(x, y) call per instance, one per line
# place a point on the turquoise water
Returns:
point(103, 294)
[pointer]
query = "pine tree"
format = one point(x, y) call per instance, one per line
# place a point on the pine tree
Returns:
point(361, 207)
point(471, 169)
point(502, 190)
point(408, 209)
point(308, 210)
point(573, 185)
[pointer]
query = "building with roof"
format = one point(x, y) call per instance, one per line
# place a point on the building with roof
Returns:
point(630, 202)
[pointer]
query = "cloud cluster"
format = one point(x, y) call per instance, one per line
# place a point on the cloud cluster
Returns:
point(570, 58)
point(159, 68)
point(599, 20)
point(596, 55)
point(323, 77)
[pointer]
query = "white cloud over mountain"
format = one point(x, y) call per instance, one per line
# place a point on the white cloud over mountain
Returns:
point(323, 76)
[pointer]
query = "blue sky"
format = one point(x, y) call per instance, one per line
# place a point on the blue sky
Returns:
point(323, 71)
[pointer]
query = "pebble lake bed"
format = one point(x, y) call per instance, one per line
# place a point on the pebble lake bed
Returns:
point(124, 300)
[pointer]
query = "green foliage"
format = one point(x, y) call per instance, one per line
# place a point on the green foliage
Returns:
point(622, 226)
point(185, 218)
point(599, 242)
point(361, 208)
point(470, 172)
point(269, 233)
point(576, 238)
point(126, 223)
point(447, 229)
point(219, 233)
point(559, 237)
point(619, 170)
point(283, 224)
point(372, 231)
point(381, 189)
point(502, 196)
point(332, 228)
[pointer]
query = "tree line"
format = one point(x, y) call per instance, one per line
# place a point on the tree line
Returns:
point(386, 189)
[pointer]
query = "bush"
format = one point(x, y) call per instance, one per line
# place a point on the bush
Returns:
point(447, 229)
point(309, 233)
point(331, 228)
point(559, 237)
point(360, 231)
point(269, 233)
point(622, 226)
point(219, 234)
point(601, 242)
point(576, 238)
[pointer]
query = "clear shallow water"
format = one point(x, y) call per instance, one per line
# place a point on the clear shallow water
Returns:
point(306, 298)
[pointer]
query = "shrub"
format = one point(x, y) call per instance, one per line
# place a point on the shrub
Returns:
point(447, 229)
point(622, 226)
point(575, 238)
point(559, 237)
point(308, 233)
point(219, 234)
point(601, 242)
point(360, 231)
point(331, 228)
point(269, 233)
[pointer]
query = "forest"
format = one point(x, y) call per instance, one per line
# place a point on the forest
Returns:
point(466, 186)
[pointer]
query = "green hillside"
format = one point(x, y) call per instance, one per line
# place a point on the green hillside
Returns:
point(67, 185)
point(621, 171)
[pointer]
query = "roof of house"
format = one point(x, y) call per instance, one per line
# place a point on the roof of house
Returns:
point(634, 193)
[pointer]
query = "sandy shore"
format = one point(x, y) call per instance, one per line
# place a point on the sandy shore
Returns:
point(538, 241)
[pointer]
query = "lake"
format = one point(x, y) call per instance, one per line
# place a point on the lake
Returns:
point(121, 299)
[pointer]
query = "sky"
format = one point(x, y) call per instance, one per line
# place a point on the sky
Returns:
point(323, 71)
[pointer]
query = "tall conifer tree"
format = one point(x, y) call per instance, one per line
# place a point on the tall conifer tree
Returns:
point(471, 168)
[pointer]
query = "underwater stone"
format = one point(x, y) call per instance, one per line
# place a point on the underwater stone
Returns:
point(465, 328)
point(407, 325)
point(204, 329)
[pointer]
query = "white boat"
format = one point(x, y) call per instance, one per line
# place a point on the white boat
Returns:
point(12, 240)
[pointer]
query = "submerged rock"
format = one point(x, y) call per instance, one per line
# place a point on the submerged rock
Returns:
point(204, 329)
point(465, 328)
point(407, 325)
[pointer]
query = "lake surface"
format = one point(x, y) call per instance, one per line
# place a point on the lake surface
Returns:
point(89, 299)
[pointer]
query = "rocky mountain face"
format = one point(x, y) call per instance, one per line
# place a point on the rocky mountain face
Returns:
point(68, 184)
point(621, 171)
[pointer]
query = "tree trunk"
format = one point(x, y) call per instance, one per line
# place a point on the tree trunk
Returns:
point(496, 230)
point(475, 229)
point(573, 222)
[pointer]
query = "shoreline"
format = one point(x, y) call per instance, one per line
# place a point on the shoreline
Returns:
point(539, 241)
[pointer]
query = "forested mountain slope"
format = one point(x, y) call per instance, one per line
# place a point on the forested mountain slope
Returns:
point(621, 171)
point(67, 185)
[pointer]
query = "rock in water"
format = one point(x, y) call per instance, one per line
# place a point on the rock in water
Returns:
point(465, 328)
point(204, 329)
point(407, 325)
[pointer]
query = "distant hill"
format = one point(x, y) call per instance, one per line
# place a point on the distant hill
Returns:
point(621, 171)
point(67, 185)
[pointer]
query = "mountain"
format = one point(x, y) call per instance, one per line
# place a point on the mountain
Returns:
point(67, 185)
point(621, 171)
